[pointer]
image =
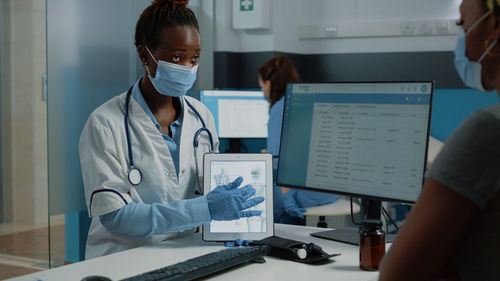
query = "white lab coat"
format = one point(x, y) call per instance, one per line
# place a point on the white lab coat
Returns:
point(105, 164)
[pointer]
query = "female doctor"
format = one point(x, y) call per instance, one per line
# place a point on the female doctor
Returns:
point(141, 152)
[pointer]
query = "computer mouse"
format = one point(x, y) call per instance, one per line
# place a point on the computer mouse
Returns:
point(96, 278)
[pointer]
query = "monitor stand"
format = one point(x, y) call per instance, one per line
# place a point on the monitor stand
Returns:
point(234, 145)
point(371, 209)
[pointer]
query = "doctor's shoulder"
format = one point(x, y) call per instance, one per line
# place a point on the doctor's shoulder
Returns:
point(110, 113)
point(108, 116)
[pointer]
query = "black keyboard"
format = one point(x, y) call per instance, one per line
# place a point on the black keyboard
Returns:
point(204, 265)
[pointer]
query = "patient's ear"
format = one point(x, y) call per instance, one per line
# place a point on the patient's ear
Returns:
point(496, 27)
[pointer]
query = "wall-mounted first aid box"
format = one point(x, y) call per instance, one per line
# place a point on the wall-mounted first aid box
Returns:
point(251, 14)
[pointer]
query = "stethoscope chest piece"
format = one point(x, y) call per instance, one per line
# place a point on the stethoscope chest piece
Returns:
point(134, 176)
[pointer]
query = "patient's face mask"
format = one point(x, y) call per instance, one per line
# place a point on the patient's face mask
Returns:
point(470, 71)
point(172, 79)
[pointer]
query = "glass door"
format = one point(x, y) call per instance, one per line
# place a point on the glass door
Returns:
point(91, 58)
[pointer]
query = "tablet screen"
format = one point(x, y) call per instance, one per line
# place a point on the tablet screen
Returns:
point(254, 174)
point(256, 169)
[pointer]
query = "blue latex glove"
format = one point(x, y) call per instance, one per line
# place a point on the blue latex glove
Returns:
point(141, 220)
point(238, 242)
point(290, 204)
point(227, 202)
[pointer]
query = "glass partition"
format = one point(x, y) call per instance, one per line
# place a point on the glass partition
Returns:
point(91, 57)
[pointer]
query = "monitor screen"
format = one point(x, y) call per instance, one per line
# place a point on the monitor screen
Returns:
point(361, 139)
point(237, 114)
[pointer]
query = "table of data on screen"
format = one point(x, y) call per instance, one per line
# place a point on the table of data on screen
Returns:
point(360, 142)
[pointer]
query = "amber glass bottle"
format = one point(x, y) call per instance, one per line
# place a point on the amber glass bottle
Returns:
point(371, 244)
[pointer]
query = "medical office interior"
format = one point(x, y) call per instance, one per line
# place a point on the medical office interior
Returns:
point(60, 59)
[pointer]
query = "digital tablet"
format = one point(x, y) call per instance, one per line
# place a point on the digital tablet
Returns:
point(255, 169)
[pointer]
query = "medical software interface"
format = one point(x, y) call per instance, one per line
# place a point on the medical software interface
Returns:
point(237, 114)
point(356, 138)
point(253, 173)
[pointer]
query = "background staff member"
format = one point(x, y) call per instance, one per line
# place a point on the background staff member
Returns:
point(140, 151)
point(273, 76)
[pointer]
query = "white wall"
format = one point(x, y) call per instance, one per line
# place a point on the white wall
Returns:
point(234, 40)
point(288, 15)
point(204, 10)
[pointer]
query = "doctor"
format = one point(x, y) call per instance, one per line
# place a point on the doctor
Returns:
point(141, 152)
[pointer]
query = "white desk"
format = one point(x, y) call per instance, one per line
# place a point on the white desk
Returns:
point(131, 262)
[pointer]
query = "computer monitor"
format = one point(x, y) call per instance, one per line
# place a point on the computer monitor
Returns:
point(237, 114)
point(363, 139)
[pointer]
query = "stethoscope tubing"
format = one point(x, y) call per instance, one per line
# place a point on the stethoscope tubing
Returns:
point(135, 172)
point(127, 130)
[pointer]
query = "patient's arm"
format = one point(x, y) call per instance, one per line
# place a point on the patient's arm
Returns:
point(425, 243)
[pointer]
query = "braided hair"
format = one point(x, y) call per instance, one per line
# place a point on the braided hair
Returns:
point(279, 70)
point(159, 15)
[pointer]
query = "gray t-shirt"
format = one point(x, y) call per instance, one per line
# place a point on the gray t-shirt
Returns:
point(469, 164)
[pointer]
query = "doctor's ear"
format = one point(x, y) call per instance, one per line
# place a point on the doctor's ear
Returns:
point(143, 54)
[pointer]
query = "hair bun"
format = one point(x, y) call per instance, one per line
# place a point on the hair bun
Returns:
point(182, 3)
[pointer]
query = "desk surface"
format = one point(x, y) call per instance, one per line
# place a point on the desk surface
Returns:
point(131, 262)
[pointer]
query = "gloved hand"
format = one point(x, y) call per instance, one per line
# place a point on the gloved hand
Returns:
point(227, 202)
point(238, 242)
point(290, 204)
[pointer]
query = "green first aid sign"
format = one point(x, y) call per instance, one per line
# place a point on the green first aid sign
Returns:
point(246, 5)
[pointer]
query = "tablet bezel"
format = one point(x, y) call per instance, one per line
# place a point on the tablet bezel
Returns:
point(268, 159)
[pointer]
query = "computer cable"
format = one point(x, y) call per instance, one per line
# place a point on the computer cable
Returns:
point(384, 211)
point(386, 222)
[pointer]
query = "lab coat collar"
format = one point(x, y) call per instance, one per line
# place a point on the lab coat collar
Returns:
point(139, 117)
point(139, 98)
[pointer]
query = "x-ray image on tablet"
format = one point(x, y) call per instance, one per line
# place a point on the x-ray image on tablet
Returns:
point(256, 170)
point(253, 173)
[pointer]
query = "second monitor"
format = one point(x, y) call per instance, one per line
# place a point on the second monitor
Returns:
point(237, 114)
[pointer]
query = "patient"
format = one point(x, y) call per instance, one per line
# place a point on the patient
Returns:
point(453, 231)
point(289, 204)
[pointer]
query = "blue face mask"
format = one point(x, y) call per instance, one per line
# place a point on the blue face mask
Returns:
point(470, 71)
point(172, 79)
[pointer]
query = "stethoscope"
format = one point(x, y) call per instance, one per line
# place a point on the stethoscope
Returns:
point(134, 174)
